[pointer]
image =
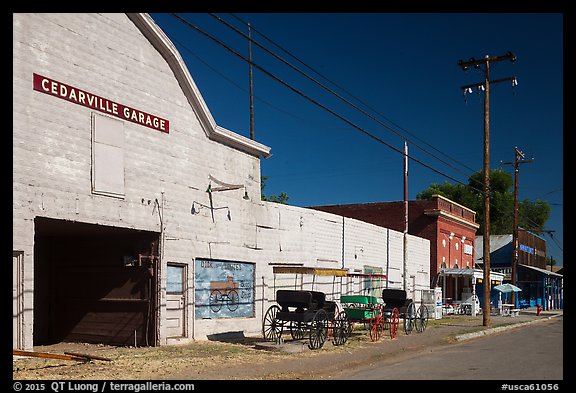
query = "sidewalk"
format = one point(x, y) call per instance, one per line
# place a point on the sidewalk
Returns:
point(501, 323)
point(244, 360)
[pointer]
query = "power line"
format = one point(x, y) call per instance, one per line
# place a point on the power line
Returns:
point(351, 95)
point(532, 223)
point(323, 107)
point(309, 98)
point(550, 192)
point(232, 82)
point(330, 90)
point(554, 240)
point(535, 225)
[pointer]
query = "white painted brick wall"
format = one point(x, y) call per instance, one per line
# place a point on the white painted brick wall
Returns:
point(107, 55)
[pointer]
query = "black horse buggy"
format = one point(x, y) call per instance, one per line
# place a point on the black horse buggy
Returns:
point(396, 301)
point(305, 314)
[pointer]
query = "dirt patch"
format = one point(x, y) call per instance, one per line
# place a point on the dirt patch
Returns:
point(237, 359)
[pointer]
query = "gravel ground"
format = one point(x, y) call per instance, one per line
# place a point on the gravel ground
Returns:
point(244, 359)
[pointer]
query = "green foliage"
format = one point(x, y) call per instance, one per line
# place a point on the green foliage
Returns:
point(531, 215)
point(280, 198)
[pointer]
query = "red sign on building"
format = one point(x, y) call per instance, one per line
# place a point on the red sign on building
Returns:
point(89, 100)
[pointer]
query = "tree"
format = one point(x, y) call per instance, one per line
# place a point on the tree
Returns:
point(280, 198)
point(531, 215)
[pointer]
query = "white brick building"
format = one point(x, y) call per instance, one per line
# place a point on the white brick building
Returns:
point(116, 238)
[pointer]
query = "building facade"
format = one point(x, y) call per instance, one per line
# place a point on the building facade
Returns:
point(137, 220)
point(539, 285)
point(450, 227)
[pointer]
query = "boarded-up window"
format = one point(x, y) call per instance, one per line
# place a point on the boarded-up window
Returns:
point(107, 156)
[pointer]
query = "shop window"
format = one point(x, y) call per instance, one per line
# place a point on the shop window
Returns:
point(107, 156)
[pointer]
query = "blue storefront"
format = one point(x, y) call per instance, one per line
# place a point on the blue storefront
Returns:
point(539, 286)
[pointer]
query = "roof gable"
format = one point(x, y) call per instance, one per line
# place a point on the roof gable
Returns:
point(162, 43)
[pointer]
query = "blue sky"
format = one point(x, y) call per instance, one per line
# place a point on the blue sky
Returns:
point(401, 69)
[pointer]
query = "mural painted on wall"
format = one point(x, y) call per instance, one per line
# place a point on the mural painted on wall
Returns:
point(223, 289)
point(373, 285)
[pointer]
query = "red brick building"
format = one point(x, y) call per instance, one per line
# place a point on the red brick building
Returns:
point(450, 227)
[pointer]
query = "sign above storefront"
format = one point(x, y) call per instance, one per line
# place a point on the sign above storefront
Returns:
point(89, 100)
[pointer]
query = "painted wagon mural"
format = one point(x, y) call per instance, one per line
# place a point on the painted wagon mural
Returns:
point(224, 292)
point(223, 289)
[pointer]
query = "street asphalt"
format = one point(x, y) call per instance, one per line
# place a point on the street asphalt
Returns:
point(502, 323)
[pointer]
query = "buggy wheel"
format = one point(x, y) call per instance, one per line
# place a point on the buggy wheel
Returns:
point(376, 328)
point(318, 330)
point(349, 324)
point(233, 299)
point(297, 330)
point(421, 318)
point(410, 318)
point(377, 323)
point(215, 300)
point(272, 327)
point(394, 322)
point(340, 329)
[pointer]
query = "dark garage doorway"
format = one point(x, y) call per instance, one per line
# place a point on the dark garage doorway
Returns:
point(94, 284)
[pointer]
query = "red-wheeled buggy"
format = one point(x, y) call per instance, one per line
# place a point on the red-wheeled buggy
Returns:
point(414, 317)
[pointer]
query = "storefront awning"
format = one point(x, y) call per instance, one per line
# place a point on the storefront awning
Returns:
point(543, 271)
point(475, 273)
point(317, 271)
point(457, 272)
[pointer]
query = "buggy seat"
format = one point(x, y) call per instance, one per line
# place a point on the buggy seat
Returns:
point(301, 306)
point(394, 298)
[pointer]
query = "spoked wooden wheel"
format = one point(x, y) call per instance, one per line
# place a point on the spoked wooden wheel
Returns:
point(376, 324)
point(410, 318)
point(272, 327)
point(394, 321)
point(340, 329)
point(421, 318)
point(297, 330)
point(376, 328)
point(318, 330)
point(348, 324)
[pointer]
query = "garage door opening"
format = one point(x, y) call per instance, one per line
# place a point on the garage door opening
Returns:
point(94, 284)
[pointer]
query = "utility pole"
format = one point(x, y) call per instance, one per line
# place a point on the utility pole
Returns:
point(517, 161)
point(405, 267)
point(485, 86)
point(251, 83)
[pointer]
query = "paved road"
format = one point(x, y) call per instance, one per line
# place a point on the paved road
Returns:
point(532, 352)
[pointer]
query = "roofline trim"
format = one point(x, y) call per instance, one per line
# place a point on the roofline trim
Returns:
point(443, 213)
point(164, 45)
point(455, 203)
